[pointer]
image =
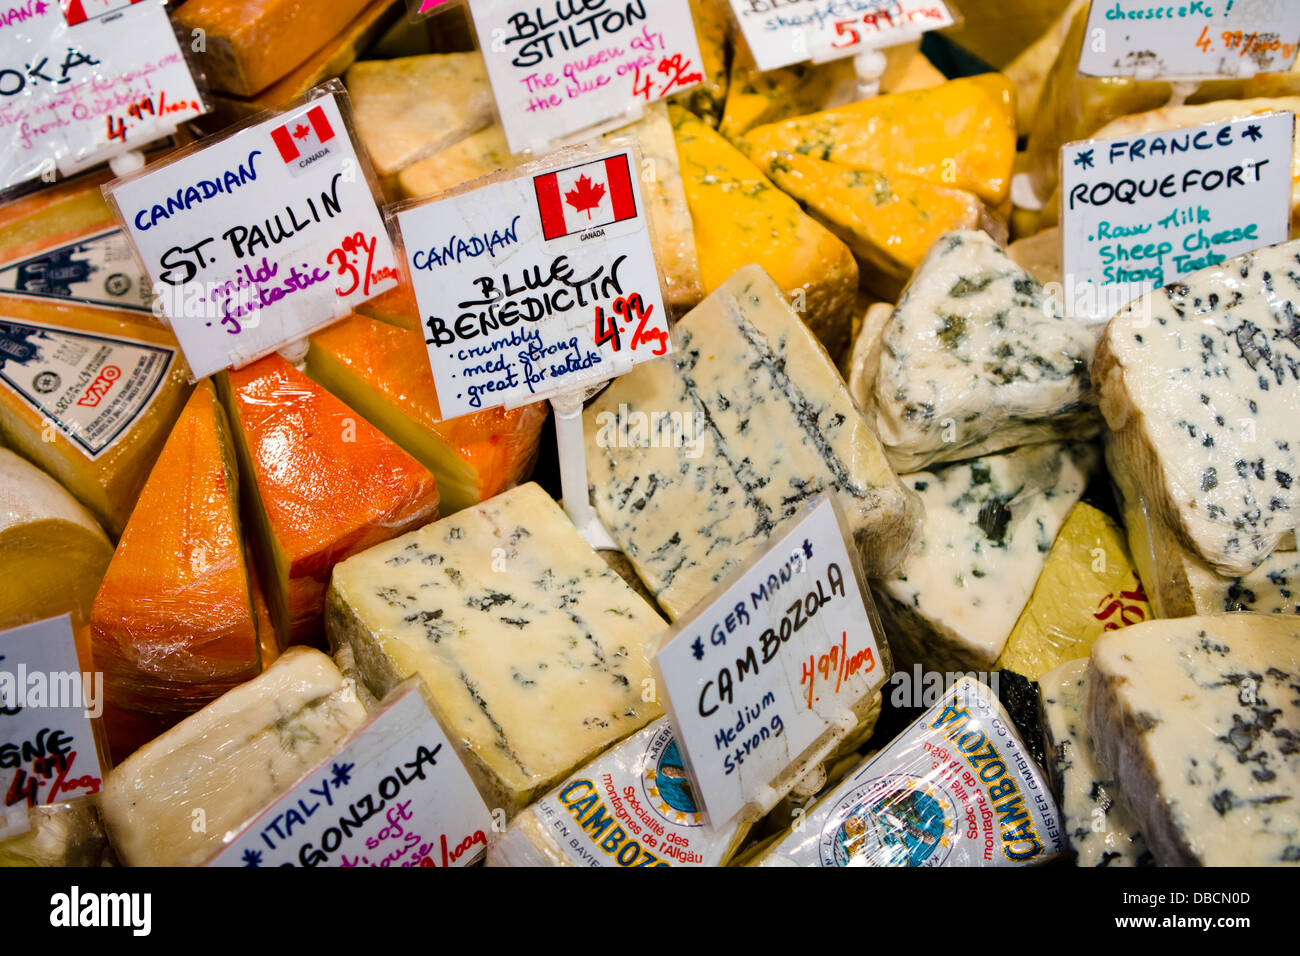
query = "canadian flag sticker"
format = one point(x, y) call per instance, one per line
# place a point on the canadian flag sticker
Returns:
point(586, 197)
point(302, 140)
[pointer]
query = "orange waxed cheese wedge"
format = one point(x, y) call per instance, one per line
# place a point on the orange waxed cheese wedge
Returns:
point(322, 485)
point(382, 371)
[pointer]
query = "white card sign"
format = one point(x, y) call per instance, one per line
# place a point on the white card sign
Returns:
point(394, 794)
point(47, 746)
point(1141, 212)
point(260, 238)
point(80, 86)
point(773, 664)
point(562, 66)
point(1190, 38)
point(537, 284)
point(783, 33)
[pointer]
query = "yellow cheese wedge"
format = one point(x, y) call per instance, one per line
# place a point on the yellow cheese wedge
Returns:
point(1028, 71)
point(755, 98)
point(473, 157)
point(54, 216)
point(52, 553)
point(396, 307)
point(909, 72)
point(1039, 255)
point(712, 23)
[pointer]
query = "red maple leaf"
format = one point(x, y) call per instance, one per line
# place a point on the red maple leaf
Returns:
point(585, 196)
point(301, 131)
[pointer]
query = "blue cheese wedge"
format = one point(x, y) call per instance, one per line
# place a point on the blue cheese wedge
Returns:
point(696, 461)
point(978, 358)
point(535, 652)
point(989, 526)
point(1200, 383)
point(1101, 829)
point(1198, 720)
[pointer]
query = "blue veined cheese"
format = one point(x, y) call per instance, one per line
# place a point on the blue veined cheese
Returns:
point(978, 358)
point(1198, 720)
point(697, 460)
point(1101, 829)
point(1200, 383)
point(988, 528)
point(536, 654)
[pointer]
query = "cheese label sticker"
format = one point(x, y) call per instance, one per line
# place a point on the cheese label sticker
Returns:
point(1141, 212)
point(76, 91)
point(92, 388)
point(772, 665)
point(99, 269)
point(1147, 40)
point(47, 744)
point(261, 238)
point(562, 66)
point(784, 33)
point(394, 794)
point(537, 284)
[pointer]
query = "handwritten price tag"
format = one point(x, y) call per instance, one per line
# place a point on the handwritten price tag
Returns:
point(260, 238)
point(560, 67)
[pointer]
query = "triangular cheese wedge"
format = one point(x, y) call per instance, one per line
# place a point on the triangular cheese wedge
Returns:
point(396, 307)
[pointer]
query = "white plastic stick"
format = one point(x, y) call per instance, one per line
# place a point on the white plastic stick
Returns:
point(573, 471)
point(870, 68)
point(127, 162)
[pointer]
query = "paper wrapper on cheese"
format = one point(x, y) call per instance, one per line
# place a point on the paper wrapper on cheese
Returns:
point(322, 483)
point(230, 761)
point(1200, 384)
point(52, 552)
point(1196, 719)
point(960, 768)
point(740, 218)
point(633, 806)
point(90, 396)
point(697, 460)
point(536, 654)
point(65, 834)
point(989, 525)
point(380, 371)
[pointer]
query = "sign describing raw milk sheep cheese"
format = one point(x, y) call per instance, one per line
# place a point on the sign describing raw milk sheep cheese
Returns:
point(260, 238)
point(395, 794)
point(536, 285)
point(1142, 212)
point(1190, 38)
point(772, 666)
point(561, 66)
point(783, 32)
point(81, 86)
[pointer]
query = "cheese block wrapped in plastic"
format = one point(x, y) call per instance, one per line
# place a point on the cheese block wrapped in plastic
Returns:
point(1040, 256)
point(473, 157)
point(977, 358)
point(1102, 831)
point(1028, 71)
point(324, 484)
point(741, 218)
point(380, 370)
point(228, 762)
point(90, 397)
point(173, 624)
point(536, 654)
point(695, 461)
point(410, 108)
point(1088, 586)
point(64, 834)
point(712, 24)
point(1197, 719)
point(52, 552)
point(989, 525)
point(1200, 384)
point(957, 788)
point(864, 359)
point(633, 806)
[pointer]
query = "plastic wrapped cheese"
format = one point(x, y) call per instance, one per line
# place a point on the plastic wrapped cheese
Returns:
point(864, 358)
point(62, 835)
point(1028, 71)
point(474, 156)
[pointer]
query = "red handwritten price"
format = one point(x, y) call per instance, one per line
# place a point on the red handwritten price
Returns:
point(676, 71)
point(837, 664)
point(137, 112)
point(851, 31)
point(54, 769)
point(629, 309)
point(347, 257)
point(1247, 44)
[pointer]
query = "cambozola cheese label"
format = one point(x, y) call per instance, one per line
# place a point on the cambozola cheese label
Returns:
point(261, 238)
point(97, 270)
point(92, 388)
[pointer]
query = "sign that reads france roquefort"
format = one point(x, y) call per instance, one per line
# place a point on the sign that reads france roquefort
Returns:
point(536, 284)
point(261, 237)
point(784, 32)
point(561, 66)
point(1143, 211)
point(783, 658)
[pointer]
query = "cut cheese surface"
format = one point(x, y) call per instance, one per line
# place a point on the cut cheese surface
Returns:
point(326, 482)
point(535, 652)
point(755, 98)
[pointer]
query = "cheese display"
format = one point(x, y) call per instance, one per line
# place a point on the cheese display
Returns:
point(864, 359)
point(695, 461)
point(535, 652)
point(65, 834)
point(712, 24)
point(1196, 719)
point(473, 157)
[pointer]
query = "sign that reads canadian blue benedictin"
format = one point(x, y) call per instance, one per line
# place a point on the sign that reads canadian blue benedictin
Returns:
point(1140, 212)
point(260, 238)
point(774, 670)
point(536, 284)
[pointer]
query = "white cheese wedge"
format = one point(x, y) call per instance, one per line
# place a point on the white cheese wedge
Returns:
point(864, 360)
